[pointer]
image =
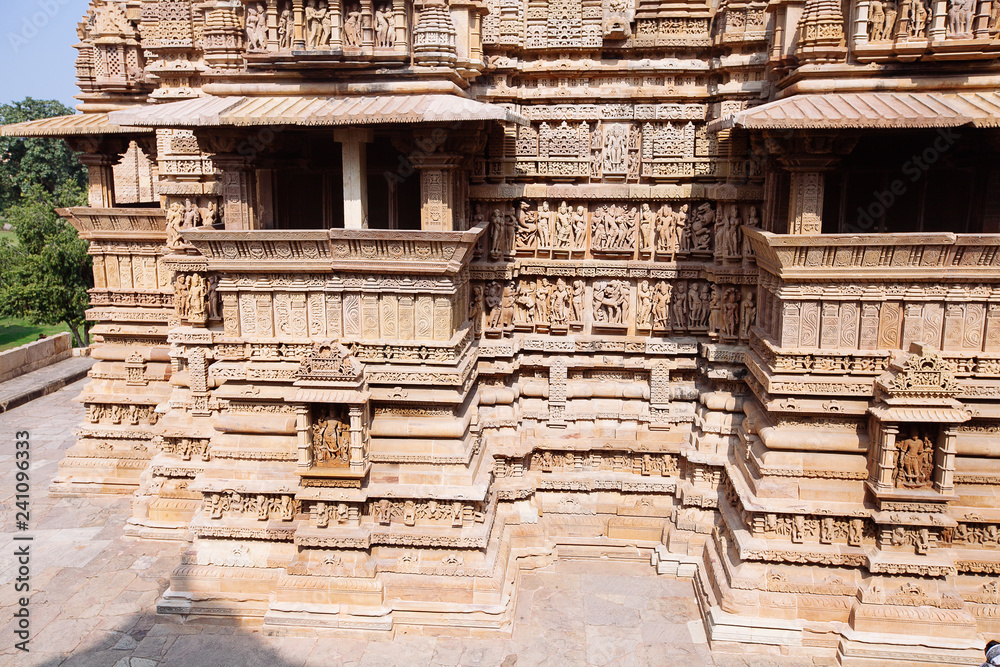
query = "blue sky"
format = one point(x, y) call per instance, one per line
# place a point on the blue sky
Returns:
point(36, 49)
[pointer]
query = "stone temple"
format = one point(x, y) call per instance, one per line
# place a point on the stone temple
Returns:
point(397, 298)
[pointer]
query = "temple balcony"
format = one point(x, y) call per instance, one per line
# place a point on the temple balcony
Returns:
point(845, 305)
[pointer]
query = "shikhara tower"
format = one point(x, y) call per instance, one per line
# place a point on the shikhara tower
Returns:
point(394, 299)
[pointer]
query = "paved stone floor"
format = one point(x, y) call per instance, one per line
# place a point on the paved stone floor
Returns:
point(94, 594)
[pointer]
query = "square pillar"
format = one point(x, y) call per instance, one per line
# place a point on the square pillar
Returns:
point(439, 205)
point(238, 187)
point(355, 160)
point(101, 180)
point(805, 204)
point(303, 431)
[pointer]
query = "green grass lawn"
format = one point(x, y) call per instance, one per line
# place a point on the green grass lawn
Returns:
point(15, 332)
point(11, 236)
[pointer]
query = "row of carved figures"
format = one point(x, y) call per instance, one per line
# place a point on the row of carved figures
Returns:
point(662, 232)
point(322, 23)
point(667, 306)
point(116, 413)
point(888, 19)
point(196, 298)
point(188, 216)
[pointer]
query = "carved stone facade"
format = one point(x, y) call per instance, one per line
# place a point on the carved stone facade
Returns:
point(436, 292)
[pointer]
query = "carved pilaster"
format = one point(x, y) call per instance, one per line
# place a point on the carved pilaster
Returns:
point(237, 184)
point(438, 202)
point(303, 430)
point(557, 393)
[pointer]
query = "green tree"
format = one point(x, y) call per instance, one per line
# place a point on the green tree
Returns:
point(44, 278)
point(48, 163)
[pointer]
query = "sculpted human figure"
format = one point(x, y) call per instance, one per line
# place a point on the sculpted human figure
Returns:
point(560, 303)
point(678, 306)
point(542, 297)
point(918, 18)
point(715, 312)
point(580, 228)
point(286, 28)
point(181, 295)
point(732, 248)
point(196, 297)
point(748, 314)
point(704, 304)
point(578, 289)
point(507, 306)
point(210, 215)
point(730, 317)
point(544, 223)
point(476, 309)
point(315, 13)
point(876, 21)
point(496, 235)
point(703, 219)
point(526, 226)
point(327, 30)
point(175, 221)
point(661, 307)
point(493, 298)
point(644, 295)
point(212, 298)
point(916, 463)
point(192, 216)
point(681, 239)
point(609, 303)
point(889, 27)
point(509, 230)
point(647, 227)
point(960, 18)
point(525, 302)
point(564, 227)
point(665, 232)
point(693, 303)
point(383, 39)
point(256, 26)
point(352, 27)
point(600, 224)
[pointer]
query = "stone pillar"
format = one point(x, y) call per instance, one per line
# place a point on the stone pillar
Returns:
point(356, 412)
point(101, 188)
point(272, 25)
point(265, 198)
point(355, 160)
point(400, 41)
point(334, 9)
point(238, 187)
point(939, 12)
point(437, 190)
point(944, 468)
point(299, 16)
point(805, 204)
point(885, 467)
point(303, 429)
point(860, 35)
point(367, 31)
point(981, 21)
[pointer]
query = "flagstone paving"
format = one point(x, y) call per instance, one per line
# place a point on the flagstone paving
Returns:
point(94, 592)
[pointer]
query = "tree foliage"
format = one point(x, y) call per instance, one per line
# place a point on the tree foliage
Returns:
point(48, 163)
point(45, 276)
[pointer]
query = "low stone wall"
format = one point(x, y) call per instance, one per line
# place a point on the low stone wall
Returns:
point(32, 356)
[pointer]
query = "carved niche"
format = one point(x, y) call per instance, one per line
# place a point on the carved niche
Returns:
point(331, 436)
